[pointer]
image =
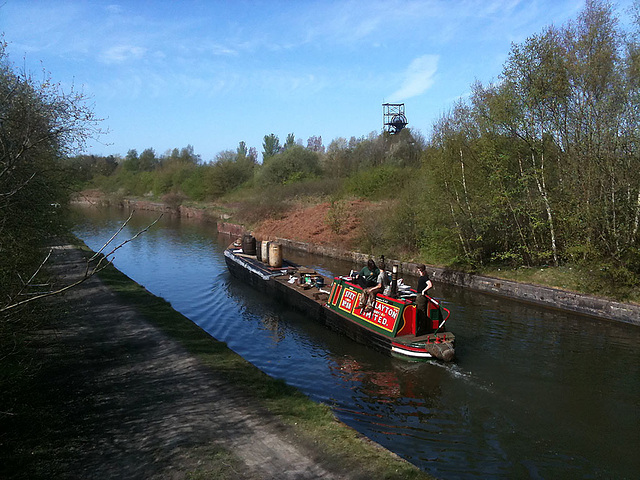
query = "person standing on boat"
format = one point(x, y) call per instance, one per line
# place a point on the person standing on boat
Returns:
point(422, 302)
point(424, 282)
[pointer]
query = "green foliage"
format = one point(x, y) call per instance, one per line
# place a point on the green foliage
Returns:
point(178, 171)
point(404, 149)
point(290, 141)
point(377, 182)
point(39, 125)
point(270, 146)
point(539, 168)
point(546, 162)
point(226, 174)
point(613, 279)
point(336, 215)
point(85, 167)
point(293, 164)
point(263, 203)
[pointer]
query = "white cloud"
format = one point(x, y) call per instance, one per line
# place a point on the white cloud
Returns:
point(122, 53)
point(417, 78)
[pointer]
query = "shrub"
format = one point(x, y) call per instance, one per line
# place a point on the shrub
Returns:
point(378, 182)
point(294, 164)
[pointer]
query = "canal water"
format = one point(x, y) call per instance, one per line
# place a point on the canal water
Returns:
point(534, 393)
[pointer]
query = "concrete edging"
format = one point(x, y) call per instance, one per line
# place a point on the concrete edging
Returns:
point(540, 295)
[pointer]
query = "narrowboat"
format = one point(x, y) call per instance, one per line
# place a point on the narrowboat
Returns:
point(392, 325)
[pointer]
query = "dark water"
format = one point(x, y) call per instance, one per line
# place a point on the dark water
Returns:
point(534, 393)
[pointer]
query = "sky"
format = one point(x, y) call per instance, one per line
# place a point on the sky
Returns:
point(167, 74)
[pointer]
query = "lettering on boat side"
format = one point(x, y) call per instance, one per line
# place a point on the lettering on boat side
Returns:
point(348, 300)
point(383, 316)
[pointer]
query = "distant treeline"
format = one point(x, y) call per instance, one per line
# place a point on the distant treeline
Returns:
point(540, 167)
point(182, 172)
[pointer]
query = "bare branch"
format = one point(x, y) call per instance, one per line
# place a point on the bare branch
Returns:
point(90, 270)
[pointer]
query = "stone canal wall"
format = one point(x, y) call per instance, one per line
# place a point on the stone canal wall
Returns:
point(183, 211)
point(546, 296)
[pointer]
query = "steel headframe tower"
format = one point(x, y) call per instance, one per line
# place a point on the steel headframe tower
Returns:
point(393, 118)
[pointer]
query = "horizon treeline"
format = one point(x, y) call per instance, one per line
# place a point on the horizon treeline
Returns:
point(182, 172)
point(540, 167)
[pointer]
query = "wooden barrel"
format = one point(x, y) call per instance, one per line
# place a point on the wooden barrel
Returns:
point(259, 250)
point(275, 255)
point(265, 251)
point(248, 244)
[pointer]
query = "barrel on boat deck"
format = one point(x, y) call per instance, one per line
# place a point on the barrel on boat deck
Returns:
point(275, 255)
point(259, 250)
point(264, 247)
point(248, 244)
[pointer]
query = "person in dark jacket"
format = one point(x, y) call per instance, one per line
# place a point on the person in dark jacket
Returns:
point(424, 283)
point(422, 302)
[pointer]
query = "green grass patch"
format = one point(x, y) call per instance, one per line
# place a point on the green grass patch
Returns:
point(599, 280)
point(219, 463)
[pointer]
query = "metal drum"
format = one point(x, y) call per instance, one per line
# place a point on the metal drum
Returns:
point(264, 247)
point(248, 244)
point(275, 255)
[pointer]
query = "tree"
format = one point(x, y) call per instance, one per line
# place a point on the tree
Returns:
point(315, 144)
point(293, 164)
point(270, 146)
point(335, 163)
point(242, 150)
point(405, 148)
point(131, 161)
point(253, 154)
point(147, 160)
point(188, 155)
point(544, 165)
point(228, 171)
point(39, 125)
point(290, 141)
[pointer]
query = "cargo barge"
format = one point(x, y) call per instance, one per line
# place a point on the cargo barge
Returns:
point(393, 324)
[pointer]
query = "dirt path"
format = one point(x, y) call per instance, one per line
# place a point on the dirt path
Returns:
point(139, 406)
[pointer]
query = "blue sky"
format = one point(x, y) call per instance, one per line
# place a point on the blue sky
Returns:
point(213, 73)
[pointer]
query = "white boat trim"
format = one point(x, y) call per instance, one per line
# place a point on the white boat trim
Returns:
point(247, 265)
point(411, 353)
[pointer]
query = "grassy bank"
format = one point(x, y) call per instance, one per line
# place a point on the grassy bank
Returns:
point(313, 424)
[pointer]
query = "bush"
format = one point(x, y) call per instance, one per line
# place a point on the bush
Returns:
point(378, 182)
point(613, 280)
point(173, 199)
point(336, 215)
point(294, 164)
